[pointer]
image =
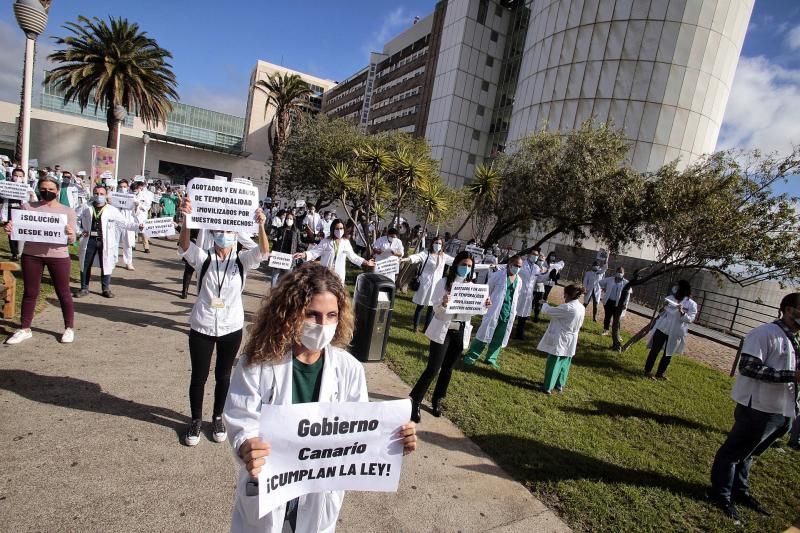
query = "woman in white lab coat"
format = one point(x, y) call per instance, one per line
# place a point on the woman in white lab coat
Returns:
point(333, 251)
point(533, 273)
point(495, 329)
point(433, 263)
point(671, 328)
point(305, 324)
point(591, 282)
point(561, 338)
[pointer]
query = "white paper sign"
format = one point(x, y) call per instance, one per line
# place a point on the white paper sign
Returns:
point(121, 200)
point(474, 250)
point(159, 227)
point(222, 206)
point(12, 190)
point(39, 226)
point(388, 266)
point(602, 255)
point(33, 163)
point(300, 203)
point(243, 181)
point(468, 299)
point(318, 447)
point(280, 260)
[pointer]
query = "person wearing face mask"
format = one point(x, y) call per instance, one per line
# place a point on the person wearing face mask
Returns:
point(765, 392)
point(554, 268)
point(204, 240)
point(38, 255)
point(18, 176)
point(560, 340)
point(142, 203)
point(285, 240)
point(333, 252)
point(277, 220)
point(496, 325)
point(310, 224)
point(100, 225)
point(387, 246)
point(433, 264)
point(591, 281)
point(217, 316)
point(169, 204)
point(449, 335)
point(671, 328)
point(324, 226)
point(613, 306)
point(533, 274)
point(127, 238)
point(296, 354)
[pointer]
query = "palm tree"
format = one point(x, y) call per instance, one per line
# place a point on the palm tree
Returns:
point(434, 198)
point(482, 191)
point(288, 94)
point(374, 161)
point(406, 168)
point(111, 64)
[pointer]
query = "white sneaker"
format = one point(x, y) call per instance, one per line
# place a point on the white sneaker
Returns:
point(19, 336)
point(605, 333)
point(68, 336)
point(218, 431)
point(192, 436)
point(129, 267)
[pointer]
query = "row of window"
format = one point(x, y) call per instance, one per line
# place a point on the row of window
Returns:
point(404, 61)
point(413, 74)
point(397, 97)
point(397, 114)
point(350, 90)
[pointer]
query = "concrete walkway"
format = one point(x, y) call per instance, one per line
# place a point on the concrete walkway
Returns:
point(91, 438)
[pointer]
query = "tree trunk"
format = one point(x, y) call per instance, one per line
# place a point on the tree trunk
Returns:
point(275, 169)
point(113, 128)
point(469, 216)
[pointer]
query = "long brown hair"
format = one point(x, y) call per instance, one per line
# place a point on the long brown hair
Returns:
point(279, 322)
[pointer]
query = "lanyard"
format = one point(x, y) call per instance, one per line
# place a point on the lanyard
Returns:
point(221, 281)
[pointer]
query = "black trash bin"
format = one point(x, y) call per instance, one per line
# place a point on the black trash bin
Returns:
point(373, 303)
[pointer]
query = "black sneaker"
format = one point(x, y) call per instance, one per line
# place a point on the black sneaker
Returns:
point(108, 294)
point(727, 507)
point(218, 431)
point(81, 293)
point(192, 436)
point(751, 503)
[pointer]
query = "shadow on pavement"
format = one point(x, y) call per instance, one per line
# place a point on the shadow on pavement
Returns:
point(131, 317)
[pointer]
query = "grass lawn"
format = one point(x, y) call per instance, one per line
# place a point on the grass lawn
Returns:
point(615, 451)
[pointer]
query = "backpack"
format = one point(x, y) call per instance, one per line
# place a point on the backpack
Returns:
point(207, 263)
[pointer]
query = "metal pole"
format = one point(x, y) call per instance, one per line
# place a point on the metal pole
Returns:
point(116, 155)
point(27, 89)
point(144, 158)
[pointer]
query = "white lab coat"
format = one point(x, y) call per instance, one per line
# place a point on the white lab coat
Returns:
point(440, 321)
point(387, 248)
point(431, 272)
point(561, 337)
point(113, 221)
point(674, 325)
point(328, 256)
point(251, 387)
point(591, 282)
point(497, 292)
point(532, 274)
point(127, 237)
point(613, 288)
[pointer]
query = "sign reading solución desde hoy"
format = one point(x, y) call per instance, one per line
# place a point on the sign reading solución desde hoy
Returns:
point(388, 266)
point(159, 227)
point(468, 299)
point(222, 205)
point(280, 260)
point(121, 200)
point(39, 226)
point(317, 447)
point(12, 190)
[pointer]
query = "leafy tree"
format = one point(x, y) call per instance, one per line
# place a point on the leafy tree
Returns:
point(111, 64)
point(288, 94)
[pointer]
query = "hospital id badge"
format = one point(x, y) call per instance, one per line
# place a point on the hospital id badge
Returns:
point(217, 303)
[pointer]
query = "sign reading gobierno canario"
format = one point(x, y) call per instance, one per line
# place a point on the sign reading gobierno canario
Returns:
point(39, 226)
point(222, 205)
point(280, 260)
point(12, 190)
point(318, 447)
point(468, 299)
point(159, 227)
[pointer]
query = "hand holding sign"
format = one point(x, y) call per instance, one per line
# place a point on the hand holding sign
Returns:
point(252, 451)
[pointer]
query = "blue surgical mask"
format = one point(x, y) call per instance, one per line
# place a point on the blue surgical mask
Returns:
point(675, 289)
point(514, 269)
point(224, 240)
point(99, 199)
point(462, 271)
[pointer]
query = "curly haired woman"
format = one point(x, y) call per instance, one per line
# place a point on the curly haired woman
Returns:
point(298, 339)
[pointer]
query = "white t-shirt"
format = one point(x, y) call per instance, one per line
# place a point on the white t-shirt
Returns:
point(769, 344)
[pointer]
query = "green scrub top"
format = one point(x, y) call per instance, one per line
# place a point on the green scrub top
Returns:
point(505, 312)
point(306, 380)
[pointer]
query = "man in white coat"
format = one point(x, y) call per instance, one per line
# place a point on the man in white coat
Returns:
point(387, 246)
point(142, 203)
point(534, 273)
point(504, 289)
point(614, 305)
point(591, 282)
point(100, 224)
point(127, 238)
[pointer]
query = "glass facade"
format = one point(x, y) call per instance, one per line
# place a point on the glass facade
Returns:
point(53, 100)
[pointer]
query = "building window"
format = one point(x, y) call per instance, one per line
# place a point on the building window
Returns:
point(476, 135)
point(481, 110)
point(489, 61)
point(484, 85)
point(483, 8)
point(471, 159)
point(494, 36)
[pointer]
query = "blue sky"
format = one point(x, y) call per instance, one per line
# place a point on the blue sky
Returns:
point(216, 44)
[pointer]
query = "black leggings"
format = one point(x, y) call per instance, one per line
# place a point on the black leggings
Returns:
point(200, 349)
point(188, 272)
point(441, 356)
point(658, 343)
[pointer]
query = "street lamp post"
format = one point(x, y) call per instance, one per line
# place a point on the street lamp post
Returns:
point(145, 140)
point(32, 19)
point(119, 116)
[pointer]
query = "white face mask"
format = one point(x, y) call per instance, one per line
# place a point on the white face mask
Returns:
point(338, 233)
point(290, 222)
point(316, 336)
point(437, 247)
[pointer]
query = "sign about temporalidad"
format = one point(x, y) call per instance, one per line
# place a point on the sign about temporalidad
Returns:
point(222, 205)
point(280, 260)
point(388, 266)
point(159, 227)
point(468, 299)
point(39, 226)
point(318, 447)
point(12, 190)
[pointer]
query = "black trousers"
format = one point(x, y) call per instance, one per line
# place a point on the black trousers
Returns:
point(520, 333)
point(538, 302)
point(441, 358)
point(659, 344)
point(201, 348)
point(613, 318)
point(188, 272)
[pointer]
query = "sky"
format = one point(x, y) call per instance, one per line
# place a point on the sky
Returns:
point(215, 46)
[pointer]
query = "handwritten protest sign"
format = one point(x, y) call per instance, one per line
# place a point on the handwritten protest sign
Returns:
point(468, 299)
point(280, 260)
point(318, 447)
point(39, 226)
point(475, 250)
point(12, 190)
point(102, 162)
point(222, 206)
point(159, 227)
point(300, 203)
point(388, 266)
point(121, 200)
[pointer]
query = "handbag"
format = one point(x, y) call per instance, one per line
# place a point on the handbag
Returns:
point(415, 283)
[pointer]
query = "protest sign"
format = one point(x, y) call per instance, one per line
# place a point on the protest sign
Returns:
point(317, 447)
point(159, 227)
point(102, 161)
point(243, 181)
point(280, 260)
point(39, 226)
point(602, 256)
point(33, 163)
point(475, 250)
point(121, 200)
point(11, 190)
point(468, 299)
point(388, 266)
point(220, 178)
point(300, 203)
point(222, 206)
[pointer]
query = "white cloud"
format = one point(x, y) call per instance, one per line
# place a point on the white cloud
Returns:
point(762, 110)
point(793, 38)
point(12, 43)
point(392, 23)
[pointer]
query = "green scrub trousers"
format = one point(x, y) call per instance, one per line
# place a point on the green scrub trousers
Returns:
point(477, 347)
point(556, 371)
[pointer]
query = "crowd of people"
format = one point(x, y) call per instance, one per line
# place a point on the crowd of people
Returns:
point(306, 321)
